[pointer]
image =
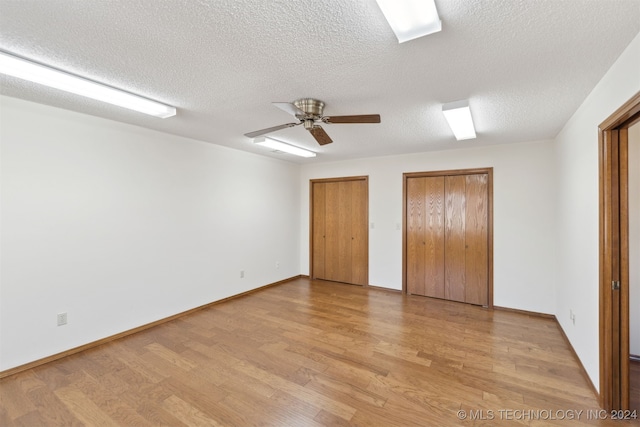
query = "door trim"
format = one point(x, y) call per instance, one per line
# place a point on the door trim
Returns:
point(475, 171)
point(364, 178)
point(614, 254)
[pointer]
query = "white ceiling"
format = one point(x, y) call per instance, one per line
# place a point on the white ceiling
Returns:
point(524, 65)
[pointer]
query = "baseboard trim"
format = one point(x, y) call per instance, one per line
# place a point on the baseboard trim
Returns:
point(45, 360)
point(575, 356)
point(634, 358)
point(528, 313)
point(382, 288)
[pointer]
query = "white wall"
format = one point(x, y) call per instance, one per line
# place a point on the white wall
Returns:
point(577, 201)
point(523, 215)
point(634, 239)
point(120, 226)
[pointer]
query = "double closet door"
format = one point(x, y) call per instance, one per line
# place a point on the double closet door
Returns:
point(340, 241)
point(448, 235)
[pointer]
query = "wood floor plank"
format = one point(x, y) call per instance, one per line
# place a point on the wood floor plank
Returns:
point(348, 393)
point(265, 411)
point(55, 412)
point(14, 400)
point(402, 353)
point(107, 399)
point(34, 418)
point(314, 353)
point(158, 415)
point(281, 350)
point(323, 401)
point(83, 408)
point(282, 399)
point(171, 356)
point(415, 392)
point(324, 418)
point(135, 365)
point(187, 413)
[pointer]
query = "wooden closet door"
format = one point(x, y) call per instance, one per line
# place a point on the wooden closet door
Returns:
point(318, 224)
point(455, 269)
point(425, 236)
point(416, 236)
point(434, 259)
point(343, 235)
point(340, 248)
point(359, 233)
point(332, 231)
point(447, 235)
point(476, 238)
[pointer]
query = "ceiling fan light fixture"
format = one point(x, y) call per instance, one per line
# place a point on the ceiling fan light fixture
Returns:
point(410, 19)
point(27, 70)
point(458, 115)
point(283, 146)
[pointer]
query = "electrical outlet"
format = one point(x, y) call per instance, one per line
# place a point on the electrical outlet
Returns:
point(62, 319)
point(242, 274)
point(277, 264)
point(572, 316)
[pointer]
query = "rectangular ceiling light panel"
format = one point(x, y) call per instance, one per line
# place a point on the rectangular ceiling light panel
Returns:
point(284, 147)
point(411, 19)
point(458, 114)
point(37, 73)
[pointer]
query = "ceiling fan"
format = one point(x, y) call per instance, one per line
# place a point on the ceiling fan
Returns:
point(308, 111)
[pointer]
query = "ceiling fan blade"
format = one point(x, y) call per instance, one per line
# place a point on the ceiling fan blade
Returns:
point(365, 118)
point(272, 129)
point(288, 107)
point(320, 135)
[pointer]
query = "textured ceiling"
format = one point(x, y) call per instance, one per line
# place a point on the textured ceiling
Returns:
point(524, 65)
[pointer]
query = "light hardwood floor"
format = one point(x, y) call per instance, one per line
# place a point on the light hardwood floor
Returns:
point(311, 353)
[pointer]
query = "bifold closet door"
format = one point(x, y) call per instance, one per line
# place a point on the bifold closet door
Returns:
point(455, 272)
point(340, 233)
point(359, 232)
point(425, 236)
point(318, 226)
point(447, 240)
point(466, 238)
point(477, 239)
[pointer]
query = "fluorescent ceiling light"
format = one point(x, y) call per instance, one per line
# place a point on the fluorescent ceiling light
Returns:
point(411, 19)
point(27, 70)
point(458, 114)
point(281, 146)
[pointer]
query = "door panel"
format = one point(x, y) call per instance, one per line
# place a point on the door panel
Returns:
point(345, 191)
point(332, 231)
point(416, 247)
point(476, 238)
point(319, 195)
point(359, 232)
point(455, 238)
point(434, 259)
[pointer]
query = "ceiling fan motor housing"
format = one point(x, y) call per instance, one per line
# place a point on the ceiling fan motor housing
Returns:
point(311, 107)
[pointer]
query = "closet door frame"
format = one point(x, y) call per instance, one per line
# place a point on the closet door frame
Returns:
point(476, 171)
point(614, 254)
point(364, 178)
